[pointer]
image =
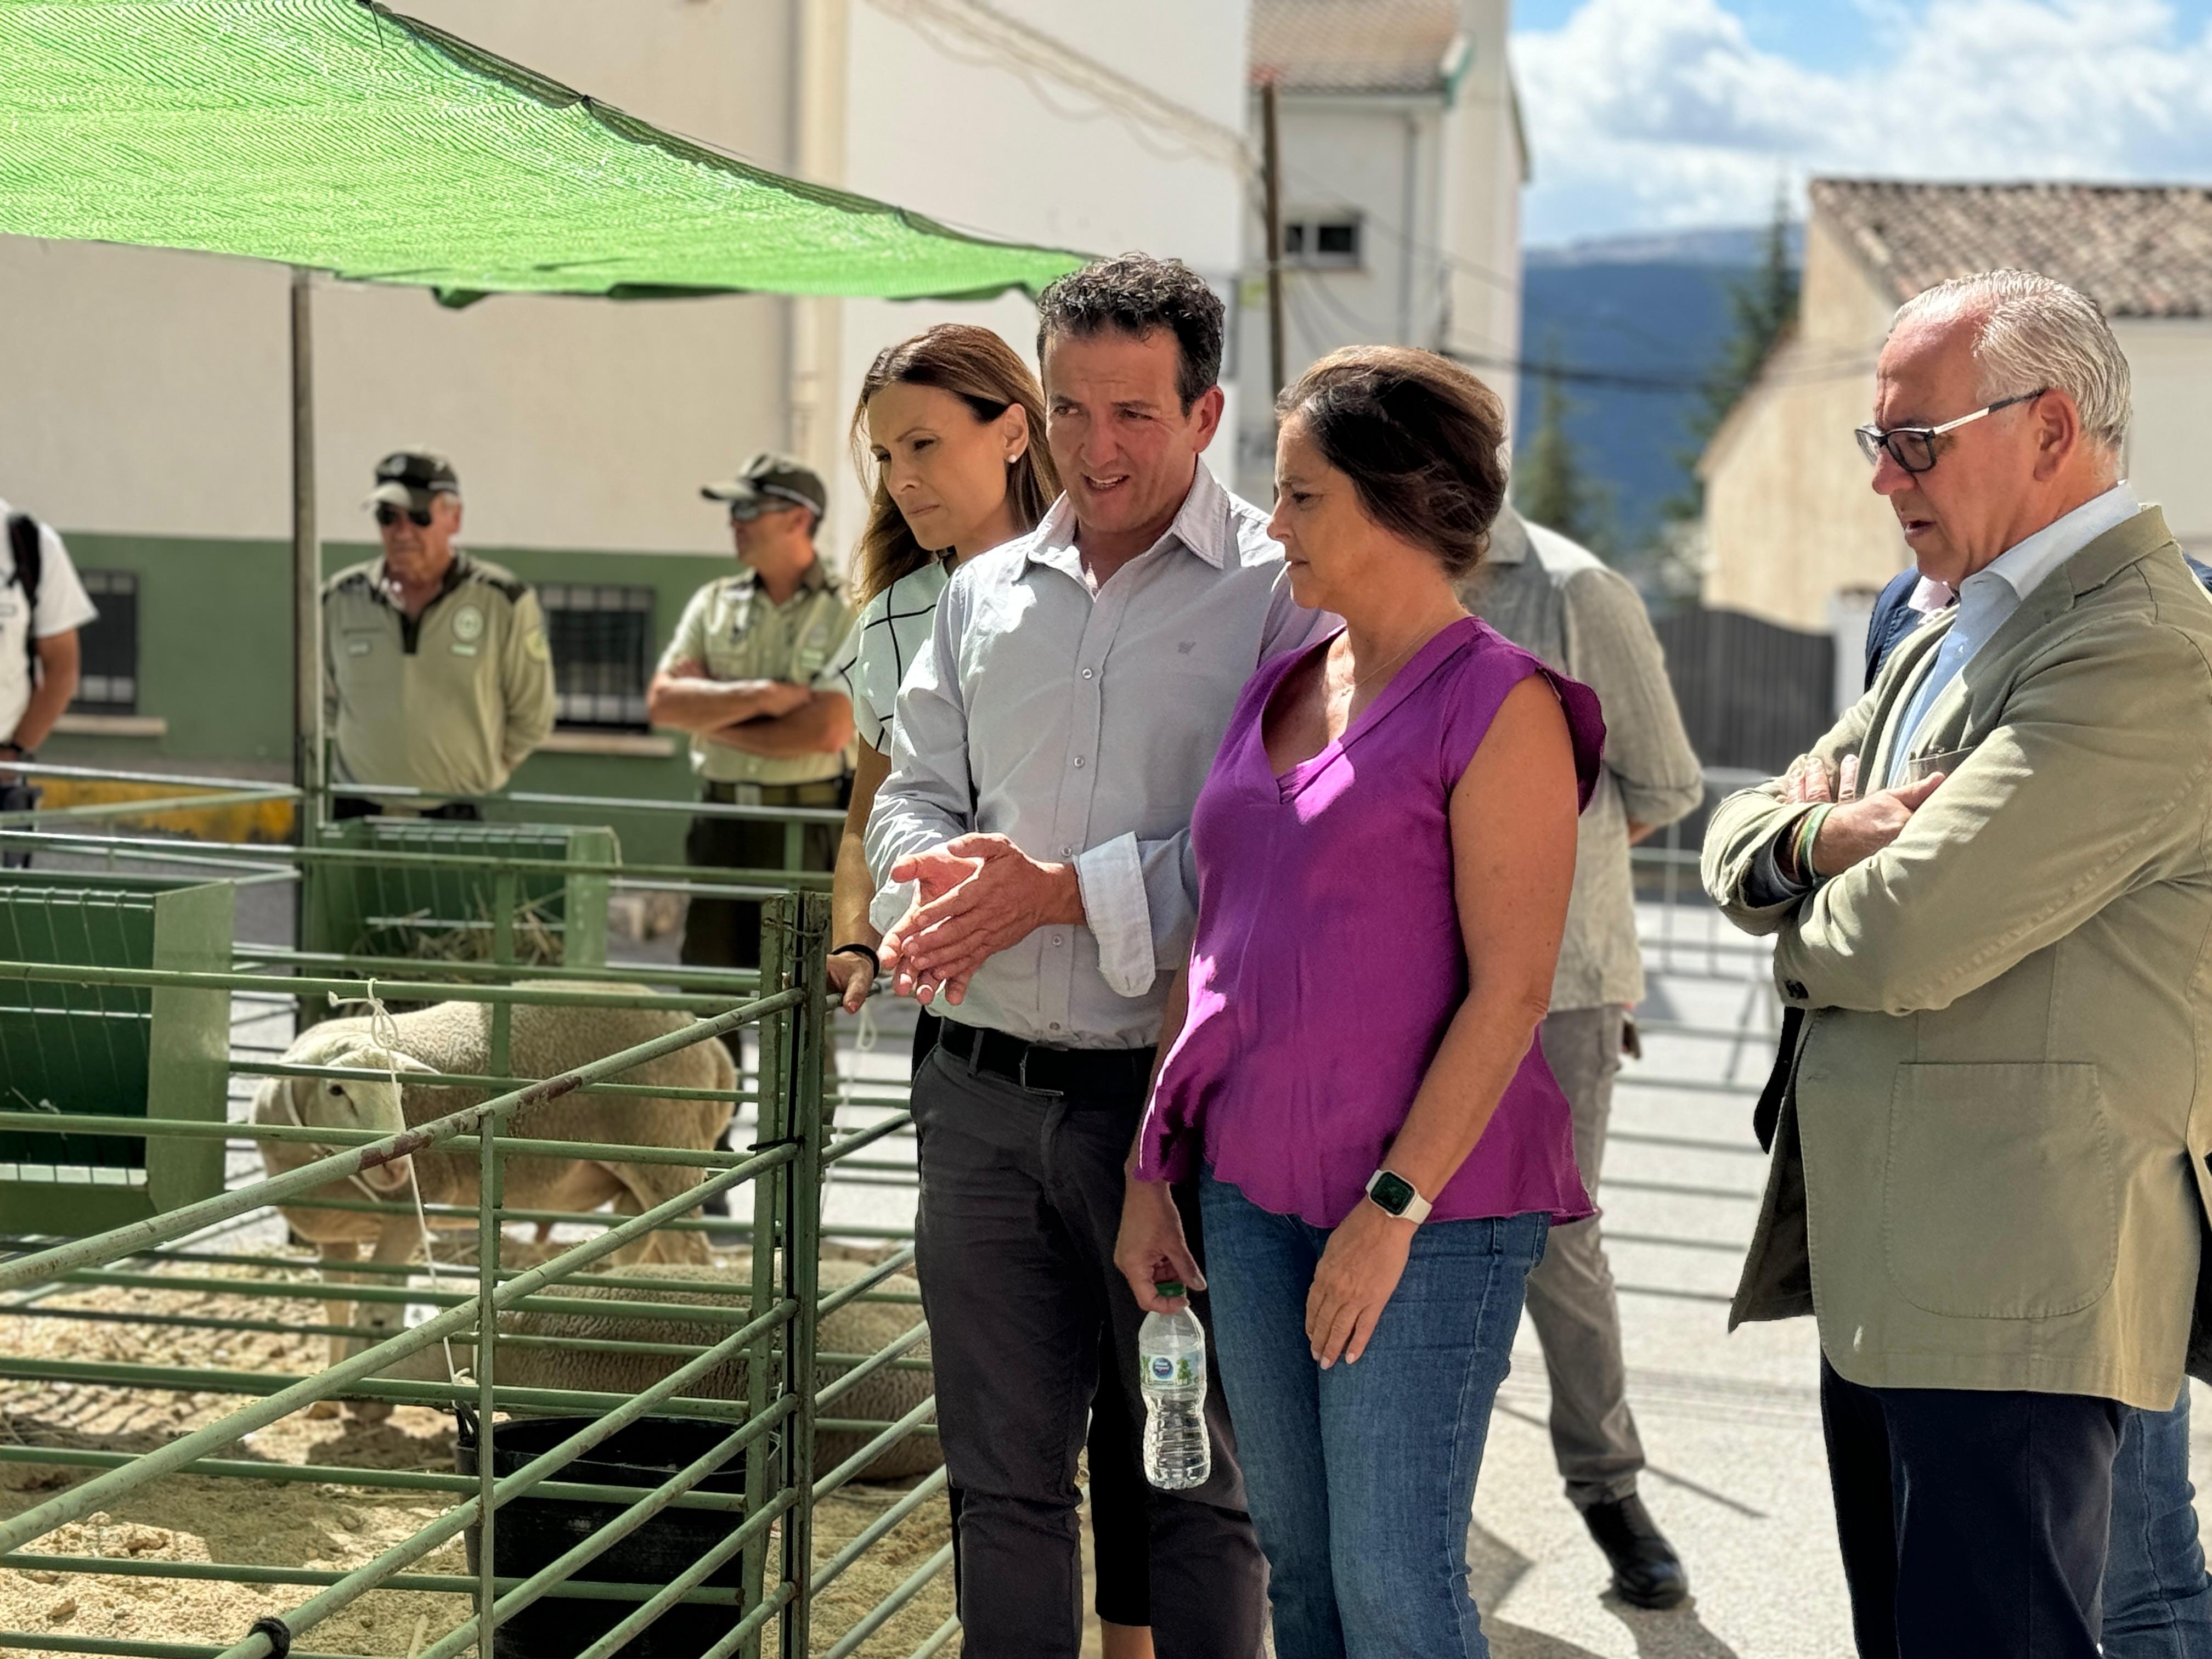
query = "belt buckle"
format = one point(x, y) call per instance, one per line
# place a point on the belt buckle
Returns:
point(1021, 1076)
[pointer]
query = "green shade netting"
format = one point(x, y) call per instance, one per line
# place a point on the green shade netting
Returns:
point(337, 134)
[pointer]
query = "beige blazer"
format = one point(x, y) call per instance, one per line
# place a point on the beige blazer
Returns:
point(1990, 1167)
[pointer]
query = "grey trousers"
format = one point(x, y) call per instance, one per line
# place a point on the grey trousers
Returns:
point(1571, 1297)
point(1021, 1199)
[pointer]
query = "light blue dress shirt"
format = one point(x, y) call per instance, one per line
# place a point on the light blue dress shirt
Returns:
point(1080, 725)
point(1992, 593)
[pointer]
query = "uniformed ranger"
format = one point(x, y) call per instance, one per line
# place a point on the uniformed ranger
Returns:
point(749, 676)
point(435, 669)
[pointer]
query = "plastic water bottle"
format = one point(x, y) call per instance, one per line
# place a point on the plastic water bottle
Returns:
point(1171, 1363)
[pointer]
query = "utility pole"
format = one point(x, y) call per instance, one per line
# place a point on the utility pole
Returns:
point(1274, 182)
point(307, 566)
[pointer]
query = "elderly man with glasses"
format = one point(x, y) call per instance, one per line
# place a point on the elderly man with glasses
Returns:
point(436, 674)
point(1990, 887)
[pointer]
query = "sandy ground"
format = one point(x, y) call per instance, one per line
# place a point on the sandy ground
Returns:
point(299, 1524)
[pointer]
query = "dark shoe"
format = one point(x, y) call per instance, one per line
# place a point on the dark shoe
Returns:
point(1646, 1571)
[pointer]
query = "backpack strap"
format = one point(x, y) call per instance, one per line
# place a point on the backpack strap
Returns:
point(25, 543)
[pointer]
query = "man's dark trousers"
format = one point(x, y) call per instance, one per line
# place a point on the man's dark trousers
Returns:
point(1974, 1523)
point(721, 933)
point(1021, 1201)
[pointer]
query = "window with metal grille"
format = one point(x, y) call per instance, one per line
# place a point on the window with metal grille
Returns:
point(601, 641)
point(108, 647)
point(1327, 241)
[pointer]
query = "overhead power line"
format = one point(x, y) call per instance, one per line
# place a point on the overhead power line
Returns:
point(1032, 54)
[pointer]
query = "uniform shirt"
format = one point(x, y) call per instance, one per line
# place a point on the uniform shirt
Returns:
point(893, 630)
point(1080, 726)
point(450, 701)
point(62, 606)
point(736, 632)
point(1549, 596)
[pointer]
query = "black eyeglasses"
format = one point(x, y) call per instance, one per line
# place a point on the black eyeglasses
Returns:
point(746, 512)
point(1913, 447)
point(387, 515)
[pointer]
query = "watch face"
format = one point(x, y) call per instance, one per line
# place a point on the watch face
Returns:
point(1392, 1192)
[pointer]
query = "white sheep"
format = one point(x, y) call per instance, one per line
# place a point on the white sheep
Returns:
point(455, 1038)
point(858, 1327)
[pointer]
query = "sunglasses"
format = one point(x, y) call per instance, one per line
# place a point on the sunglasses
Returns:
point(388, 515)
point(1913, 447)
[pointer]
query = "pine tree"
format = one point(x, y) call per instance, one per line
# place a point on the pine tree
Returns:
point(1550, 487)
point(1762, 304)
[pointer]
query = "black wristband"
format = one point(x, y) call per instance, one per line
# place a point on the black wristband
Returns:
point(17, 752)
point(857, 949)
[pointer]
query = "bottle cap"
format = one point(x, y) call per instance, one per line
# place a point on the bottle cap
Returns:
point(1169, 1287)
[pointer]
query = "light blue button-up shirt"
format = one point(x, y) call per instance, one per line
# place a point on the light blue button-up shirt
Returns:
point(1992, 593)
point(1080, 725)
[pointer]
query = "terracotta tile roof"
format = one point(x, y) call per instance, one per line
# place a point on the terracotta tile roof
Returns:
point(1352, 46)
point(2137, 250)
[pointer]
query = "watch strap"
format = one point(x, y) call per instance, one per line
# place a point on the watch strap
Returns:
point(1398, 1196)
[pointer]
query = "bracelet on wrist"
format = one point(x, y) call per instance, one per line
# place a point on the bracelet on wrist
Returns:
point(857, 949)
point(1808, 832)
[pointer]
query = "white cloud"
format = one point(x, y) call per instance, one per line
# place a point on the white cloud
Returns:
point(1656, 113)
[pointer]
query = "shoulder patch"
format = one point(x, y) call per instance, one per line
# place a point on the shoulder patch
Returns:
point(505, 583)
point(355, 581)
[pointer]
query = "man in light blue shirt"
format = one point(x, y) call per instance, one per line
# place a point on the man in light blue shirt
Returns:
point(1033, 845)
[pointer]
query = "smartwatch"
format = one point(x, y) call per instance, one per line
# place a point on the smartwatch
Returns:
point(1395, 1195)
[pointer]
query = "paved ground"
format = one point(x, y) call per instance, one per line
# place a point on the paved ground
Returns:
point(1731, 1422)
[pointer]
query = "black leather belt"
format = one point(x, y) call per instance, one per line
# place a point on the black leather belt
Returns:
point(1103, 1077)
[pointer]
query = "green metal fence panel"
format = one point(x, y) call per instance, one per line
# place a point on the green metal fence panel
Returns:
point(110, 1050)
point(434, 912)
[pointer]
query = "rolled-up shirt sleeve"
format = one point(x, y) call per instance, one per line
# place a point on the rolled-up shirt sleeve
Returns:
point(928, 798)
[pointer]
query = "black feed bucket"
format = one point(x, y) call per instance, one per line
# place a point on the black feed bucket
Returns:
point(534, 1532)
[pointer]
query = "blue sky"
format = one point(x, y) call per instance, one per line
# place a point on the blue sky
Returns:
point(1656, 115)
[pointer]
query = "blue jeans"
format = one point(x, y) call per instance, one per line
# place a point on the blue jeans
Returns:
point(2157, 1602)
point(1361, 1477)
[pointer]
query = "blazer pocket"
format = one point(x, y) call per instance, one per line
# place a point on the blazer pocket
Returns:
point(2000, 1198)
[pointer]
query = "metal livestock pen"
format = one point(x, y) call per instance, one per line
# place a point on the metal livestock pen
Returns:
point(741, 1496)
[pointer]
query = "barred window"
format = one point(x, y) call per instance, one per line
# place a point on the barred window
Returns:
point(108, 647)
point(601, 641)
point(1328, 241)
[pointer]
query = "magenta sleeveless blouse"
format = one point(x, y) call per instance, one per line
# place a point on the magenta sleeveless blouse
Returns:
point(1328, 960)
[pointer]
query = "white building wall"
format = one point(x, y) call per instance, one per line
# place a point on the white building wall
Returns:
point(2170, 360)
point(148, 391)
point(1485, 168)
point(1437, 181)
point(1380, 158)
point(941, 122)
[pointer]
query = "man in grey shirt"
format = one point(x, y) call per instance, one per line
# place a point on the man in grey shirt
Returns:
point(1033, 837)
point(1544, 592)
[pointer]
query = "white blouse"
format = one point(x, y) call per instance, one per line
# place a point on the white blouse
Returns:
point(884, 643)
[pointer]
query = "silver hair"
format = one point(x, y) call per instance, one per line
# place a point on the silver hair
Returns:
point(2034, 332)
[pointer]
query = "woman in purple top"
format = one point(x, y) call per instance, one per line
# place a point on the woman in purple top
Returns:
point(1385, 847)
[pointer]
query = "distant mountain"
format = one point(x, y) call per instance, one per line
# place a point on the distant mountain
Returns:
point(1719, 246)
point(1635, 322)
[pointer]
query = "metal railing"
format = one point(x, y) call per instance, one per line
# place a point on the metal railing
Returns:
point(770, 1322)
point(791, 1166)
